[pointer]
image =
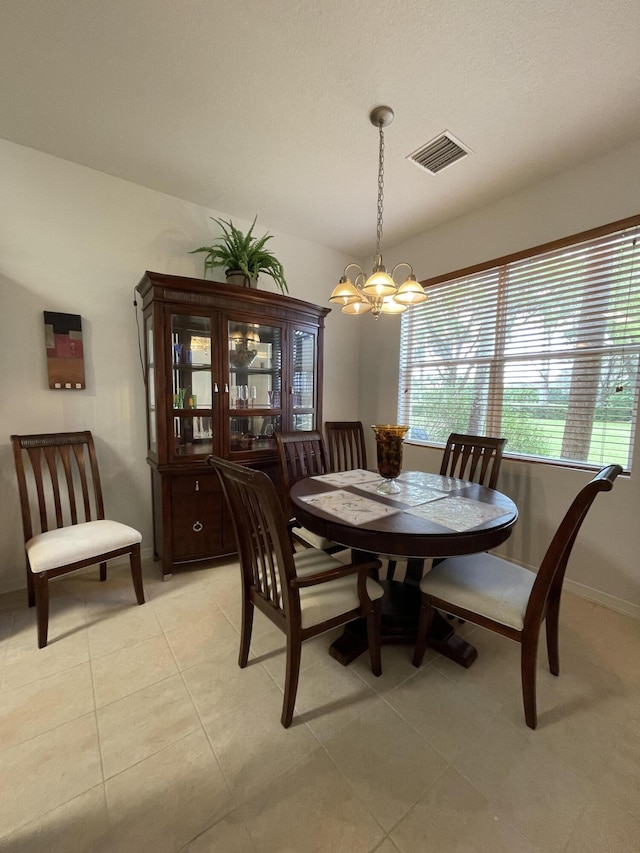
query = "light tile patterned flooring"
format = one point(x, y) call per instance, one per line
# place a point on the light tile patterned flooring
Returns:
point(135, 730)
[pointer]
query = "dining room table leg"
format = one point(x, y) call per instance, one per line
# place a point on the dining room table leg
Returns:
point(400, 613)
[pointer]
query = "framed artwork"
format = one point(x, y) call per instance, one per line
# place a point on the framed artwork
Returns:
point(65, 355)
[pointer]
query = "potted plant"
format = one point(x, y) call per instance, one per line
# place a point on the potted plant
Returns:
point(243, 256)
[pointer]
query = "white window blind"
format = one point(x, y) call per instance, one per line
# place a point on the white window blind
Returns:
point(541, 349)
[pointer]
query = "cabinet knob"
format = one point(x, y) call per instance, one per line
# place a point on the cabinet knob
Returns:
point(226, 387)
point(197, 527)
point(197, 485)
point(215, 387)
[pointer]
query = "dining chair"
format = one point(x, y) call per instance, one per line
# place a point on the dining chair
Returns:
point(304, 594)
point(345, 443)
point(302, 453)
point(63, 516)
point(509, 599)
point(347, 451)
point(475, 458)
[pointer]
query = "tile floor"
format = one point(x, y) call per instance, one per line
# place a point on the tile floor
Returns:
point(135, 730)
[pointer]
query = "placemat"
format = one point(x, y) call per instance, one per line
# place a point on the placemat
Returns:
point(347, 478)
point(349, 508)
point(458, 513)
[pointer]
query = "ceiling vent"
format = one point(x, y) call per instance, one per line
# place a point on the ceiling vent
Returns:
point(441, 152)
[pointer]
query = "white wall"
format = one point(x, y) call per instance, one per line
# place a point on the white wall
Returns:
point(605, 562)
point(78, 241)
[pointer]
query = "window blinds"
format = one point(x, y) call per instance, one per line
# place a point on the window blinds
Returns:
point(541, 349)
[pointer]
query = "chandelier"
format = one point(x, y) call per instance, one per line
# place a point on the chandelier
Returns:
point(379, 293)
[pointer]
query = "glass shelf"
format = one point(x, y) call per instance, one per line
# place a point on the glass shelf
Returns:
point(192, 435)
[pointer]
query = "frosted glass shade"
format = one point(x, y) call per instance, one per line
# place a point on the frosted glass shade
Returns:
point(390, 305)
point(379, 283)
point(360, 307)
point(411, 292)
point(345, 292)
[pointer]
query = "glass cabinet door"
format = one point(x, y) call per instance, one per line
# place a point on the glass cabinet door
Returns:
point(255, 385)
point(191, 385)
point(152, 431)
point(303, 379)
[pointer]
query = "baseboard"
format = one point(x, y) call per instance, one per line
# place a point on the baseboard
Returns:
point(611, 602)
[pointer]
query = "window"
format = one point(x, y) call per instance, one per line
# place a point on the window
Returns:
point(541, 347)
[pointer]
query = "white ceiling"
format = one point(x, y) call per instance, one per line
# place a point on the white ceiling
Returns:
point(261, 106)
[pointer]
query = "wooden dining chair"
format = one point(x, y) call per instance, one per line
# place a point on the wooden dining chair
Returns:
point(302, 453)
point(303, 594)
point(347, 452)
point(63, 516)
point(345, 443)
point(475, 458)
point(508, 599)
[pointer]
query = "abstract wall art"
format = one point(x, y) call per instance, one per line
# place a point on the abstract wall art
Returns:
point(65, 355)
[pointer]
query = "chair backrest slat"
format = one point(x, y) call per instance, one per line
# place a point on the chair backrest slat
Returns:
point(265, 572)
point(95, 479)
point(346, 446)
point(301, 454)
point(50, 456)
point(261, 534)
point(551, 573)
point(473, 457)
point(35, 457)
point(82, 472)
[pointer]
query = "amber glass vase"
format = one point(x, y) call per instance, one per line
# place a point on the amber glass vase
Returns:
point(389, 439)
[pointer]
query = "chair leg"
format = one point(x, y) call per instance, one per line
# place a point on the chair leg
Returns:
point(373, 637)
point(103, 571)
point(41, 588)
point(245, 635)
point(424, 627)
point(551, 626)
point(136, 573)
point(294, 649)
point(31, 593)
point(528, 662)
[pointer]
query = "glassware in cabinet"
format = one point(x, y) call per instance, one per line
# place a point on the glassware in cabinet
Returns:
point(192, 387)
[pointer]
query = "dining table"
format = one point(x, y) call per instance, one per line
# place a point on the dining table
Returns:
point(430, 517)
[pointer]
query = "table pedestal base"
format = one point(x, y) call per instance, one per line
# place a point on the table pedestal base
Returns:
point(400, 611)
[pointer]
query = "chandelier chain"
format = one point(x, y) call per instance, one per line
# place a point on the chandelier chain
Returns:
point(380, 292)
point(380, 193)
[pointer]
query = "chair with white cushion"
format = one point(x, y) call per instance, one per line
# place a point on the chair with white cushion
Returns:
point(302, 453)
point(63, 517)
point(476, 458)
point(304, 594)
point(508, 599)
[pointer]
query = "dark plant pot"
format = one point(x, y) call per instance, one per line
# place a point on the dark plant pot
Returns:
point(240, 278)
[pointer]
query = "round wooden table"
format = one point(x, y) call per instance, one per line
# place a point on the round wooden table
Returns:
point(415, 538)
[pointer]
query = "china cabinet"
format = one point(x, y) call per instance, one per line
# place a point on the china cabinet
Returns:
point(225, 368)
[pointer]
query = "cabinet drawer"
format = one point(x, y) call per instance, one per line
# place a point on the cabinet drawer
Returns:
point(193, 484)
point(197, 525)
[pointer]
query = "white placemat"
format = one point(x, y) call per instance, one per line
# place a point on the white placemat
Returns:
point(347, 478)
point(458, 513)
point(432, 481)
point(410, 494)
point(349, 508)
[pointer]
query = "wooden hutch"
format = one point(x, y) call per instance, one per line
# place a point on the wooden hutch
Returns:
point(226, 367)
